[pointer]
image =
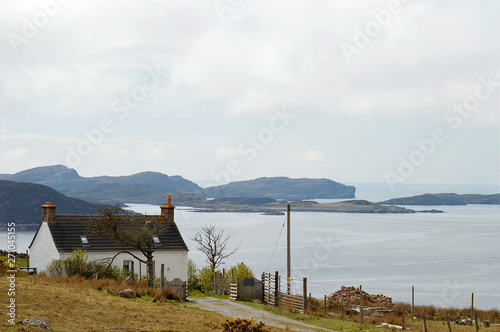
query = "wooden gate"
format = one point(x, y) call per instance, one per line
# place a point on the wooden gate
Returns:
point(291, 293)
point(270, 288)
point(178, 286)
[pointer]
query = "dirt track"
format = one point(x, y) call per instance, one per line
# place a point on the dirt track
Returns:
point(232, 309)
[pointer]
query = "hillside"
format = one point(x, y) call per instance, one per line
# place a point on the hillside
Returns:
point(21, 202)
point(283, 188)
point(445, 199)
point(130, 193)
point(153, 187)
point(145, 187)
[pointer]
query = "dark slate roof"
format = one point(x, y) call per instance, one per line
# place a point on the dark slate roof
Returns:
point(67, 229)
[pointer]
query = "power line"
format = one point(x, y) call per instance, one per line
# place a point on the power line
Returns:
point(276, 245)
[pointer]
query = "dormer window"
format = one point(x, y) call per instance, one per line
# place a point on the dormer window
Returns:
point(156, 240)
point(85, 240)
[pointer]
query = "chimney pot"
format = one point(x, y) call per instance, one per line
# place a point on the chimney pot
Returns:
point(48, 212)
point(167, 210)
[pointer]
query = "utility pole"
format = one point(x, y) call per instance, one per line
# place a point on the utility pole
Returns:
point(288, 256)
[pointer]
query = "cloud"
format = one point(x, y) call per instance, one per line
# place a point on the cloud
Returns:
point(308, 156)
point(226, 76)
point(226, 153)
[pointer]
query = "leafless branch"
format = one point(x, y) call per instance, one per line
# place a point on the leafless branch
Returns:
point(213, 241)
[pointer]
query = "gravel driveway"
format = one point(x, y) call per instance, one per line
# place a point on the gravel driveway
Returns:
point(234, 309)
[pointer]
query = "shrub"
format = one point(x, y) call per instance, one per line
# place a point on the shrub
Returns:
point(77, 264)
point(6, 265)
point(206, 279)
point(240, 271)
point(243, 325)
point(159, 295)
point(193, 277)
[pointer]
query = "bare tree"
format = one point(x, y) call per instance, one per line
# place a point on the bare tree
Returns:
point(212, 241)
point(136, 231)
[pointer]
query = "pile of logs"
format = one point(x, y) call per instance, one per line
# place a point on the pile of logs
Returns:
point(352, 294)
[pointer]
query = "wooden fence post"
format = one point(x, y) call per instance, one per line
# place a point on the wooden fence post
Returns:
point(154, 274)
point(224, 284)
point(403, 323)
point(262, 278)
point(325, 306)
point(276, 289)
point(472, 309)
point(215, 283)
point(448, 321)
point(342, 309)
point(132, 271)
point(361, 304)
point(162, 280)
point(425, 323)
point(475, 319)
point(304, 293)
point(412, 303)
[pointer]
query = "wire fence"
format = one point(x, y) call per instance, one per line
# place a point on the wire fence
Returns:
point(366, 306)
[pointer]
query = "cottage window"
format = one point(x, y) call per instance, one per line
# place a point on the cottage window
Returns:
point(156, 240)
point(85, 240)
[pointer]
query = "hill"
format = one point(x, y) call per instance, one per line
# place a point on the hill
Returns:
point(130, 193)
point(282, 188)
point(153, 187)
point(445, 199)
point(21, 202)
point(145, 187)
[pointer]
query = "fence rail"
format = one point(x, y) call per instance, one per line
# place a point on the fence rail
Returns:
point(233, 291)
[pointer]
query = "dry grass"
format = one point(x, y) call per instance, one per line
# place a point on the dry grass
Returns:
point(436, 317)
point(75, 304)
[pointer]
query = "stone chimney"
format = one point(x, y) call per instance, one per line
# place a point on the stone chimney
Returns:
point(168, 210)
point(48, 212)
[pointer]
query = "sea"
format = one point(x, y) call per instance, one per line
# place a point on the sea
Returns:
point(444, 257)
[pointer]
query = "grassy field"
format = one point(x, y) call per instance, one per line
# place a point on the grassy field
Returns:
point(76, 306)
point(352, 325)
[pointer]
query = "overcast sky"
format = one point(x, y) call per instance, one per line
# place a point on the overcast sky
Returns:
point(217, 91)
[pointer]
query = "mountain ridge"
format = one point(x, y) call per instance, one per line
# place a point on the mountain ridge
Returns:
point(156, 184)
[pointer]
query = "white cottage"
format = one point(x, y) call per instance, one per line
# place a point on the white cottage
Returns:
point(59, 235)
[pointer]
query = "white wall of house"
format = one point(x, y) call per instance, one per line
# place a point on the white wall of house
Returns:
point(43, 249)
point(175, 262)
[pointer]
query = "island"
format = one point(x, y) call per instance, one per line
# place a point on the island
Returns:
point(446, 199)
point(270, 206)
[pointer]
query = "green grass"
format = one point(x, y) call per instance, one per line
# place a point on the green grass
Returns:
point(352, 324)
point(21, 262)
point(75, 305)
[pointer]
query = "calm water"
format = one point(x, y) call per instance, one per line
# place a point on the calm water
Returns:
point(445, 256)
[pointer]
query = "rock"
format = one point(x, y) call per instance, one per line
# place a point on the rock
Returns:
point(390, 326)
point(37, 322)
point(127, 293)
